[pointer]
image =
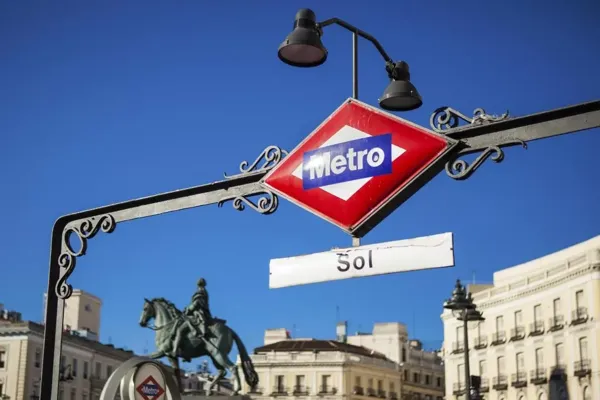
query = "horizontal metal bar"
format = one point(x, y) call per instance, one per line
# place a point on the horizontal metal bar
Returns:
point(530, 127)
point(176, 200)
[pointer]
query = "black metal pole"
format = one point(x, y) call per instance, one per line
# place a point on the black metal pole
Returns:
point(355, 65)
point(466, 344)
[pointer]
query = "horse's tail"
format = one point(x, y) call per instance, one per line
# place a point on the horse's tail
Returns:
point(247, 367)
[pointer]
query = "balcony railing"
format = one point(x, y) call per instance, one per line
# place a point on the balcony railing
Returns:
point(556, 323)
point(458, 347)
point(582, 368)
point(538, 376)
point(300, 390)
point(517, 333)
point(381, 394)
point(480, 342)
point(579, 316)
point(485, 385)
point(327, 389)
point(279, 391)
point(371, 392)
point(500, 382)
point(498, 338)
point(518, 380)
point(536, 328)
point(393, 396)
point(359, 390)
point(458, 388)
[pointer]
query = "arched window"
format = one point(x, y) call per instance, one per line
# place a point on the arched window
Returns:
point(587, 393)
point(542, 396)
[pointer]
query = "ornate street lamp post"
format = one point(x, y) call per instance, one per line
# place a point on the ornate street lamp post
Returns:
point(464, 310)
point(303, 48)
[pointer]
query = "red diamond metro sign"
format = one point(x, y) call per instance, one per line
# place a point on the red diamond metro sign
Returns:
point(359, 165)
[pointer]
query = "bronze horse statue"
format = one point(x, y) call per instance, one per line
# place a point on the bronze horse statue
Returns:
point(217, 344)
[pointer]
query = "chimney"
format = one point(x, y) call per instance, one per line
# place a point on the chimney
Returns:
point(341, 331)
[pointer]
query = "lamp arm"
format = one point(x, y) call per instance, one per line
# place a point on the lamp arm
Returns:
point(359, 32)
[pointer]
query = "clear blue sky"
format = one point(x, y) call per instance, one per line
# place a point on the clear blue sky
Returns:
point(102, 102)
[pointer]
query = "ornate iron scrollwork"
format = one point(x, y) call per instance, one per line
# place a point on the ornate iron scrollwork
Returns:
point(271, 156)
point(445, 118)
point(83, 229)
point(461, 170)
point(266, 204)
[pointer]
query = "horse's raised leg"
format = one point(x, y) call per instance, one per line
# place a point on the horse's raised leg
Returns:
point(174, 361)
point(221, 371)
point(223, 362)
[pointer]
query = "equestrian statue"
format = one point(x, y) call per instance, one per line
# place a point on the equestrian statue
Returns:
point(194, 333)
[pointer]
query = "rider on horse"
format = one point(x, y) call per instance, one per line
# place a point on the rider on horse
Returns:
point(198, 316)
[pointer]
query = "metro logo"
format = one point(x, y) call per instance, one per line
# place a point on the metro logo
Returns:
point(149, 389)
point(347, 161)
point(358, 166)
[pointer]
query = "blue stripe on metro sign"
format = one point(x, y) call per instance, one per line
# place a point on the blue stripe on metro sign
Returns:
point(347, 161)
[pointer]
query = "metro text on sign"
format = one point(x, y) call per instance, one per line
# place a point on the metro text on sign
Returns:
point(347, 161)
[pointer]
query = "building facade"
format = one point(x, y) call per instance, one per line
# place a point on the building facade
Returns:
point(82, 314)
point(85, 363)
point(539, 317)
point(422, 371)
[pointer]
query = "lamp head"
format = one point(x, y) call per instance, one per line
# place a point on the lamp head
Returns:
point(303, 47)
point(400, 94)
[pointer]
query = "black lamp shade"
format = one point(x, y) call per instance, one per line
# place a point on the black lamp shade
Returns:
point(400, 95)
point(303, 47)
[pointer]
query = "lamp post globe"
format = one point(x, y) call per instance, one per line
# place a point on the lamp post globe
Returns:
point(303, 47)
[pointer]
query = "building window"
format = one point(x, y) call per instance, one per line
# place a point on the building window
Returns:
point(85, 370)
point(1, 389)
point(84, 396)
point(518, 318)
point(38, 357)
point(499, 324)
point(61, 394)
point(73, 394)
point(379, 385)
point(583, 348)
point(2, 359)
point(108, 371)
point(370, 383)
point(326, 383)
point(461, 373)
point(63, 362)
point(539, 358)
point(74, 368)
point(357, 381)
point(88, 308)
point(500, 365)
point(403, 354)
point(427, 380)
point(587, 393)
point(579, 299)
point(299, 384)
point(405, 375)
point(482, 368)
point(415, 377)
point(537, 313)
point(556, 307)
point(392, 387)
point(98, 370)
point(439, 382)
point(520, 362)
point(560, 355)
point(280, 384)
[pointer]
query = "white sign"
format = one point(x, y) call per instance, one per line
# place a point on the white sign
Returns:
point(426, 252)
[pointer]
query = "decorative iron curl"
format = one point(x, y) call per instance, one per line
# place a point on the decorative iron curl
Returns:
point(461, 170)
point(445, 118)
point(266, 204)
point(271, 156)
point(83, 230)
